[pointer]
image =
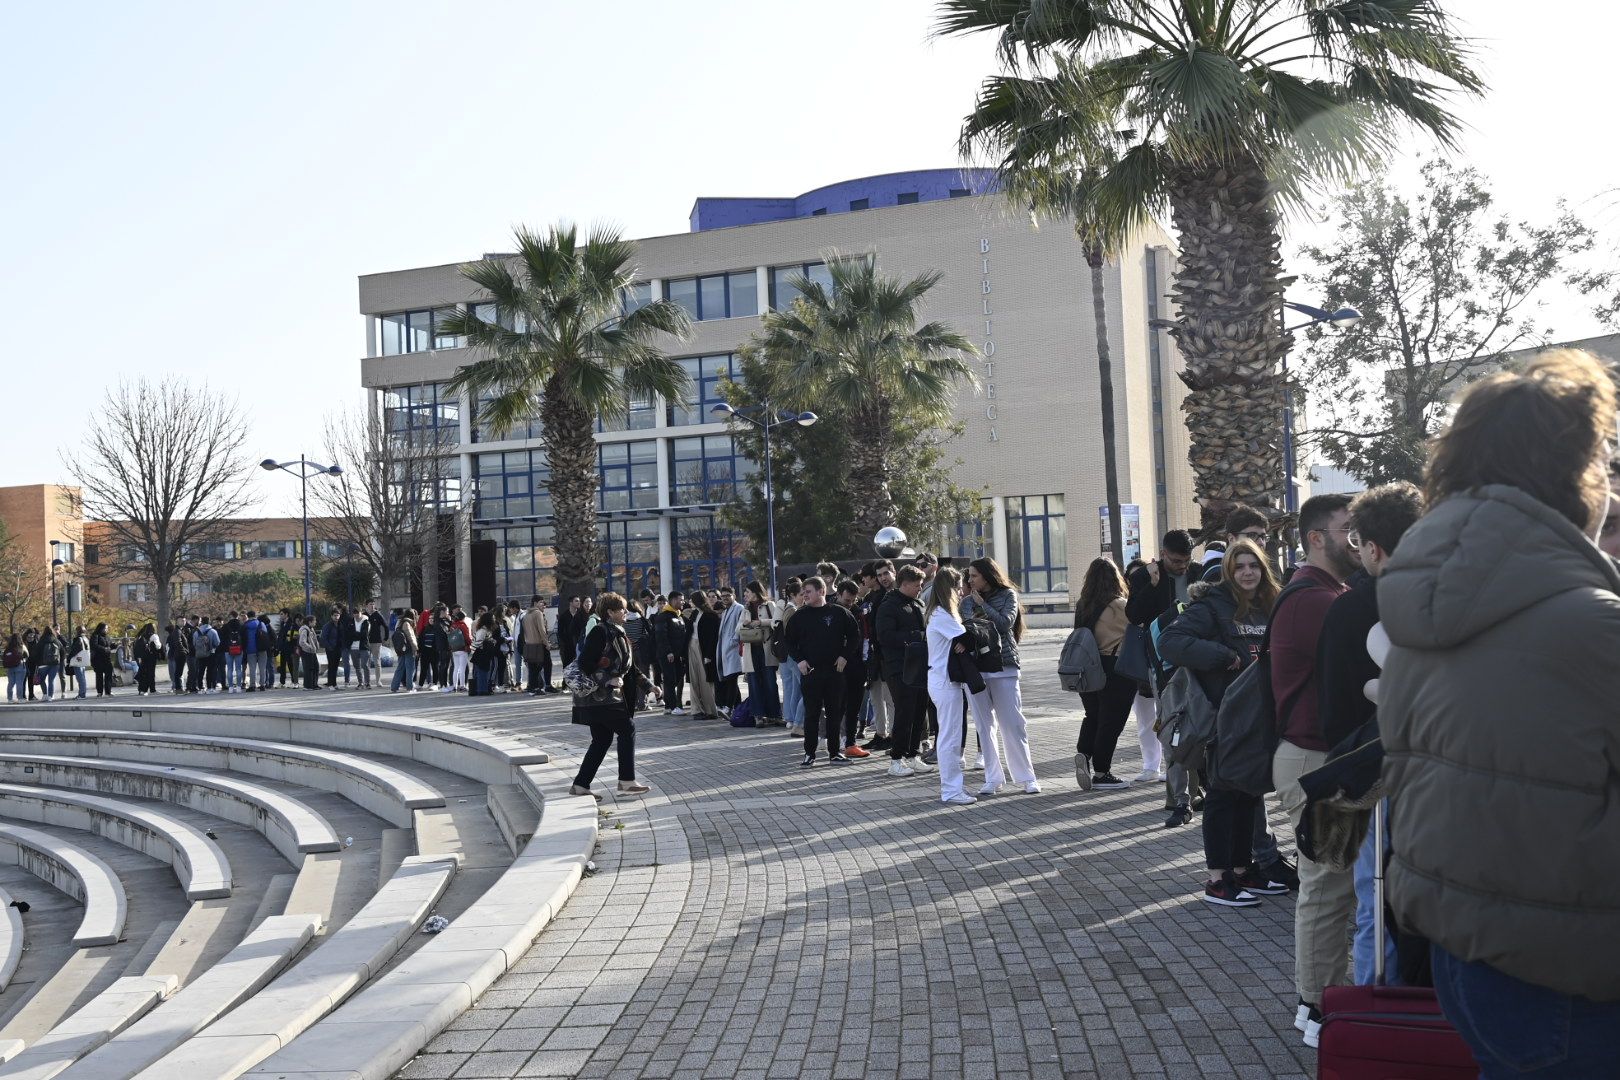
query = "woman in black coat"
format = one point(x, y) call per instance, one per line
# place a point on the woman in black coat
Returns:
point(606, 658)
point(102, 651)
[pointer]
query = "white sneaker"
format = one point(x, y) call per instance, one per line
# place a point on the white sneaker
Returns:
point(978, 766)
point(1032, 788)
point(898, 767)
point(1147, 776)
point(987, 790)
point(962, 799)
point(1313, 1032)
point(917, 764)
point(1301, 1015)
point(677, 711)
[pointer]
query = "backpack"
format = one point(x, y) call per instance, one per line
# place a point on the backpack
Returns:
point(458, 640)
point(743, 714)
point(984, 644)
point(1249, 724)
point(1186, 719)
point(1080, 666)
point(779, 642)
point(400, 641)
point(201, 645)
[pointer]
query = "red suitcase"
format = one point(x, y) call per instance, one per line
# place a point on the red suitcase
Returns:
point(1388, 1032)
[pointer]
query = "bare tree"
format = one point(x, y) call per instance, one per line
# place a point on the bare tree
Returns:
point(388, 505)
point(24, 585)
point(161, 464)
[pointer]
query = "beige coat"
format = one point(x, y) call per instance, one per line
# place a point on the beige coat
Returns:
point(770, 611)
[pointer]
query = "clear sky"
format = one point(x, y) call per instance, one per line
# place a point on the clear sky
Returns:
point(194, 187)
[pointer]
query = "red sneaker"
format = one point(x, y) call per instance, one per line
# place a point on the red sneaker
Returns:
point(853, 751)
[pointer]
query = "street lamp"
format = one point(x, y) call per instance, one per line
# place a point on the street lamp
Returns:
point(1345, 316)
point(304, 469)
point(55, 562)
point(766, 419)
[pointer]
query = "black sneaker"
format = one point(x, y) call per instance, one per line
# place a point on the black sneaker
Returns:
point(930, 758)
point(1282, 871)
point(837, 759)
point(1107, 781)
point(1252, 880)
point(878, 742)
point(809, 760)
point(1225, 893)
point(1082, 771)
point(1180, 815)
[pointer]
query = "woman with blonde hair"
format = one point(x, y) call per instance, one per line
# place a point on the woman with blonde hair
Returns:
point(944, 629)
point(998, 710)
point(1218, 636)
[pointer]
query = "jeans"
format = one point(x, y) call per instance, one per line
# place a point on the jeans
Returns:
point(602, 736)
point(882, 706)
point(177, 668)
point(233, 671)
point(483, 677)
point(792, 694)
point(360, 660)
point(17, 683)
point(998, 716)
point(49, 672)
point(1327, 897)
point(823, 692)
point(458, 660)
point(405, 672)
point(1516, 1029)
point(1361, 950)
point(333, 658)
point(312, 670)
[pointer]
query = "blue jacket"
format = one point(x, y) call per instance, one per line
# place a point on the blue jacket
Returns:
point(252, 633)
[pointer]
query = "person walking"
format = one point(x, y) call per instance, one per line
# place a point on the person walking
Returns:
point(943, 634)
point(1496, 706)
point(536, 638)
point(403, 641)
point(15, 660)
point(670, 634)
point(1218, 636)
point(1102, 611)
point(605, 657)
point(998, 710)
point(703, 640)
point(826, 639)
point(901, 623)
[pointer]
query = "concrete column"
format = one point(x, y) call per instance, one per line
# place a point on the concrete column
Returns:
point(371, 336)
point(666, 554)
point(998, 529)
point(762, 286)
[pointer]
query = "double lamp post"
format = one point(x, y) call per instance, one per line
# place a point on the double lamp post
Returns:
point(304, 469)
point(767, 419)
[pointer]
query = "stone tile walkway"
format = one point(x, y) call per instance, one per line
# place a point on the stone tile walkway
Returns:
point(751, 920)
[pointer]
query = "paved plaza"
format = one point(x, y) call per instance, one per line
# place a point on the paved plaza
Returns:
point(749, 919)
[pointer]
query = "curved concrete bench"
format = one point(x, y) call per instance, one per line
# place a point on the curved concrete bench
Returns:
point(233, 978)
point(320, 982)
point(290, 826)
point(199, 864)
point(388, 792)
point(465, 751)
point(77, 873)
point(11, 942)
point(103, 1016)
point(381, 1028)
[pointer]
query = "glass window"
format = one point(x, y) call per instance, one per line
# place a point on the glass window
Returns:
point(706, 470)
point(391, 334)
point(822, 212)
point(784, 292)
point(859, 204)
point(906, 198)
point(743, 288)
point(271, 549)
point(708, 555)
point(136, 593)
point(192, 589)
point(629, 476)
point(683, 291)
point(514, 484)
point(1037, 536)
point(712, 297)
point(419, 328)
point(705, 374)
point(483, 431)
point(525, 560)
point(422, 415)
point(960, 192)
point(636, 297)
point(629, 555)
point(442, 340)
point(486, 313)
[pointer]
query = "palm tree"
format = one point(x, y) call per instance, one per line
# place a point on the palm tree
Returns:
point(562, 345)
point(856, 348)
point(1223, 113)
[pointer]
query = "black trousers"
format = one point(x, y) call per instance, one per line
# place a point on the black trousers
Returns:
point(334, 657)
point(602, 736)
point(103, 678)
point(146, 678)
point(545, 668)
point(823, 692)
point(427, 665)
point(910, 720)
point(1229, 828)
point(312, 670)
point(289, 666)
point(1106, 712)
point(565, 649)
point(674, 679)
point(854, 698)
point(726, 693)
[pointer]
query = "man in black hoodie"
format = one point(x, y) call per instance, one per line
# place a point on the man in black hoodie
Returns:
point(900, 622)
point(826, 639)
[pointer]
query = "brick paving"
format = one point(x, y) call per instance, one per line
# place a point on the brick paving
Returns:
point(751, 920)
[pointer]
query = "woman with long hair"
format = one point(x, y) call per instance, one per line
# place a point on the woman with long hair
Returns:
point(486, 653)
point(700, 656)
point(48, 651)
point(758, 662)
point(16, 662)
point(606, 659)
point(1496, 707)
point(1218, 636)
point(148, 651)
point(403, 641)
point(944, 629)
point(1102, 611)
point(998, 710)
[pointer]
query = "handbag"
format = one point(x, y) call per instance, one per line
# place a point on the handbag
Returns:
point(579, 684)
point(754, 635)
point(1132, 660)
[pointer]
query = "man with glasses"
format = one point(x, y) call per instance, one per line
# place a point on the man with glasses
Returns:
point(1326, 897)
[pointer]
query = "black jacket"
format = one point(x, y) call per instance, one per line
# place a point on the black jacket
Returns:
point(1205, 639)
point(671, 633)
point(706, 625)
point(102, 651)
point(818, 636)
point(1343, 667)
point(606, 654)
point(1147, 600)
point(900, 620)
point(376, 628)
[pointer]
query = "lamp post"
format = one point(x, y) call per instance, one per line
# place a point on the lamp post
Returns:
point(1345, 316)
point(54, 564)
point(767, 420)
point(303, 469)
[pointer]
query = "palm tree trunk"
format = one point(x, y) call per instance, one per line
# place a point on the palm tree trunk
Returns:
point(868, 480)
point(1105, 380)
point(570, 441)
point(1229, 290)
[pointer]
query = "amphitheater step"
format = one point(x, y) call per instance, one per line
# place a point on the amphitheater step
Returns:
point(397, 845)
point(515, 815)
point(274, 900)
point(109, 1012)
point(73, 870)
point(11, 941)
point(235, 978)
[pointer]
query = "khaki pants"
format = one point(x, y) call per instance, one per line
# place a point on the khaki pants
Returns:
point(882, 709)
point(1327, 898)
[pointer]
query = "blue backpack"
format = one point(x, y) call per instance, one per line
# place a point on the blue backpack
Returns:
point(743, 714)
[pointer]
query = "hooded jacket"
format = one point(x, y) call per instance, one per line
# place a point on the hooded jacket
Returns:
point(1207, 636)
point(1498, 707)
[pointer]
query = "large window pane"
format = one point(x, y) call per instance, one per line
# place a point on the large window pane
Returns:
point(443, 340)
point(420, 331)
point(712, 297)
point(392, 331)
point(744, 289)
point(683, 291)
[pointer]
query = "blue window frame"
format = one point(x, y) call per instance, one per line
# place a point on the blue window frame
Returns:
point(966, 542)
point(525, 561)
point(783, 292)
point(705, 373)
point(708, 555)
point(629, 475)
point(483, 432)
point(640, 416)
point(422, 414)
point(401, 332)
point(514, 484)
point(629, 555)
point(1037, 533)
point(706, 469)
point(635, 297)
point(716, 296)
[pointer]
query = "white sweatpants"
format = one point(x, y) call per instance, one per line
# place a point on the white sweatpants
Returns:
point(458, 670)
point(948, 704)
point(998, 716)
point(1144, 709)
